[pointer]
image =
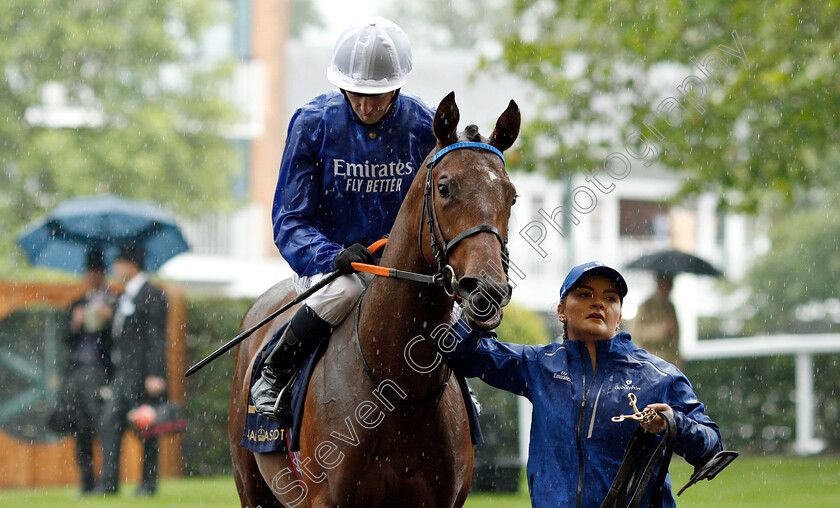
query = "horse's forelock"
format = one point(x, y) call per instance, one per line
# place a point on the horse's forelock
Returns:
point(471, 133)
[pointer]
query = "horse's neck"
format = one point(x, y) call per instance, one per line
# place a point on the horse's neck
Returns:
point(395, 312)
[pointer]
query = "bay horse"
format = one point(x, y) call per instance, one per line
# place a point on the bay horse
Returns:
point(383, 425)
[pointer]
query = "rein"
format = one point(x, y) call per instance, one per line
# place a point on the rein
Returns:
point(636, 470)
point(437, 396)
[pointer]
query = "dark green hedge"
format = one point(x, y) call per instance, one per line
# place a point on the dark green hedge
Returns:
point(753, 400)
point(210, 323)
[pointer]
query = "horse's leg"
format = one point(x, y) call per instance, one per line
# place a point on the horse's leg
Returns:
point(283, 483)
point(256, 488)
point(253, 491)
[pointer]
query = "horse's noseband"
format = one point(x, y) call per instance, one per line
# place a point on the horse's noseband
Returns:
point(446, 274)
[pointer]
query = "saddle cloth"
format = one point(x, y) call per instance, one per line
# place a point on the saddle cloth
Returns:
point(263, 435)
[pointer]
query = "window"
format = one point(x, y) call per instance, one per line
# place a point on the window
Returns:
point(644, 219)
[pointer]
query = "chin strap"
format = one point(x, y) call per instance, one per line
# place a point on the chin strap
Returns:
point(389, 114)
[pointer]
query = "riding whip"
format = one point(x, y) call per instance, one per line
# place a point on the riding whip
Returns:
point(299, 298)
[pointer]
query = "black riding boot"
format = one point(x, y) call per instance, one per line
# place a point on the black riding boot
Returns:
point(272, 390)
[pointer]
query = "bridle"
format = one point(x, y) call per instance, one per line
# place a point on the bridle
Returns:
point(445, 275)
point(441, 257)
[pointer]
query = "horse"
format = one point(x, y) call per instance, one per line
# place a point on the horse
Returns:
point(383, 424)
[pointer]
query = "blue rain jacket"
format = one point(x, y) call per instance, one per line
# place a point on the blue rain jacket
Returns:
point(342, 182)
point(575, 449)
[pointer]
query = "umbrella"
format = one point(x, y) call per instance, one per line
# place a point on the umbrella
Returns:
point(62, 238)
point(673, 262)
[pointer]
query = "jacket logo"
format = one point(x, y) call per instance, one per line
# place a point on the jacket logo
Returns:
point(372, 177)
point(628, 385)
point(563, 375)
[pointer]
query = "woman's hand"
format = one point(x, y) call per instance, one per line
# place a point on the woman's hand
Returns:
point(106, 312)
point(155, 385)
point(657, 425)
point(77, 318)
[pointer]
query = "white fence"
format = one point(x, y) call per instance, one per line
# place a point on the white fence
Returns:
point(803, 347)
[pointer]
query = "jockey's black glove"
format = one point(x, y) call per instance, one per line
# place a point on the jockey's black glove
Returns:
point(356, 253)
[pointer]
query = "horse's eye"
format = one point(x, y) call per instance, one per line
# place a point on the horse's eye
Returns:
point(514, 199)
point(443, 190)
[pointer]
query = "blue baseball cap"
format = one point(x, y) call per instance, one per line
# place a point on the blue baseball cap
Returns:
point(593, 268)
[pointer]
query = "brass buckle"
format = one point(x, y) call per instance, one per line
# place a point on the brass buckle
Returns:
point(645, 416)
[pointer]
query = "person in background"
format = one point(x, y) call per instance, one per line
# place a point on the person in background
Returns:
point(578, 385)
point(350, 157)
point(139, 362)
point(655, 327)
point(88, 340)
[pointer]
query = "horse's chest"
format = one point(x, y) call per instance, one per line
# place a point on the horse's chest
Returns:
point(369, 449)
point(403, 460)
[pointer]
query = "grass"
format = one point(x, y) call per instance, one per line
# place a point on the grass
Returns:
point(748, 482)
point(185, 493)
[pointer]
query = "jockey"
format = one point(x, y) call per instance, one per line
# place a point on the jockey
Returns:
point(350, 157)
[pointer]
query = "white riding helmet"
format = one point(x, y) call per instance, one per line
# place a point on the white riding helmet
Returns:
point(371, 57)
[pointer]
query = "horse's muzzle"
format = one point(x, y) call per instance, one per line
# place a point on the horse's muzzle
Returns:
point(483, 301)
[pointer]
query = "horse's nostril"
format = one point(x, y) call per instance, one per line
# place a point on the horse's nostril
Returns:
point(474, 288)
point(469, 286)
point(506, 293)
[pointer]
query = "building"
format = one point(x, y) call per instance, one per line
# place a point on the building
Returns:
point(233, 254)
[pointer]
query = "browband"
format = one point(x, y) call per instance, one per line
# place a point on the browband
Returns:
point(464, 144)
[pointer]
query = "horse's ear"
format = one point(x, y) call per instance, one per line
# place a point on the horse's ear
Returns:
point(507, 128)
point(446, 120)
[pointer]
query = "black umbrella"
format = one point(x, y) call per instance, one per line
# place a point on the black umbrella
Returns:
point(64, 236)
point(673, 262)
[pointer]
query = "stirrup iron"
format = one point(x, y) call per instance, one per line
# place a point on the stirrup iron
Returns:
point(284, 399)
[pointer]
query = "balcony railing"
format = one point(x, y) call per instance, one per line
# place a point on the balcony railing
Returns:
point(238, 234)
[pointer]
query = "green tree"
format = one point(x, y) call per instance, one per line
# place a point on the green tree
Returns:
point(760, 135)
point(795, 286)
point(445, 24)
point(523, 326)
point(108, 96)
point(304, 15)
point(756, 125)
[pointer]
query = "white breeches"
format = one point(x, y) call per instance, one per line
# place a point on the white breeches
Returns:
point(334, 301)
